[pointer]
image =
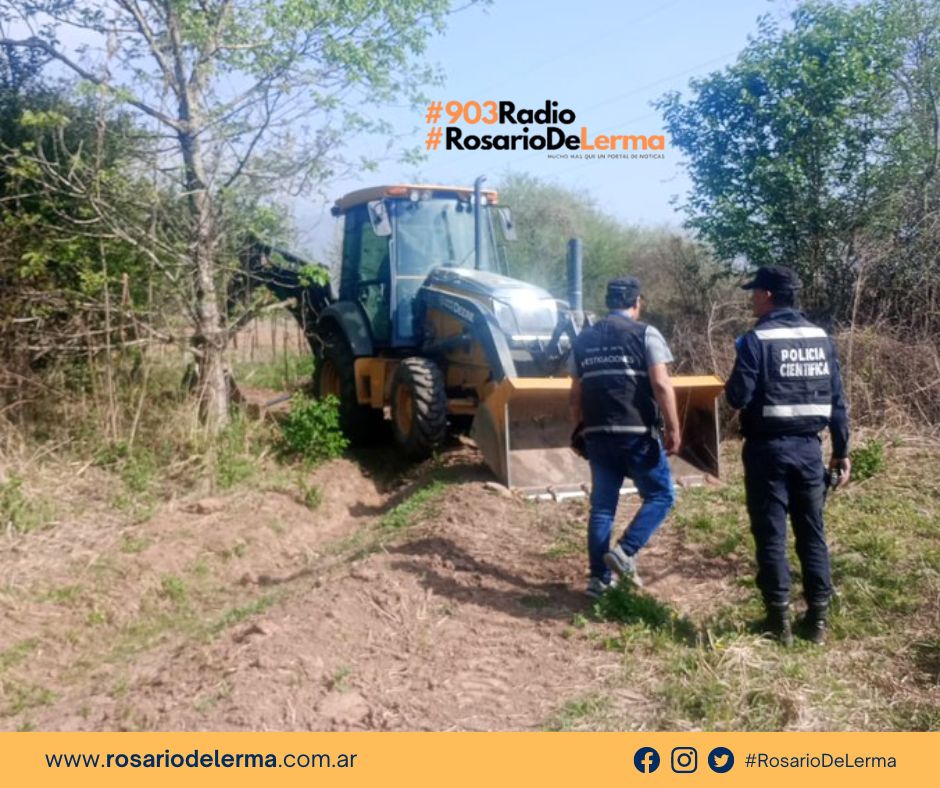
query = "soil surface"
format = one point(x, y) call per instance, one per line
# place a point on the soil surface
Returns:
point(253, 611)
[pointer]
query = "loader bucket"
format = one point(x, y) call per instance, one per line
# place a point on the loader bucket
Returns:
point(523, 431)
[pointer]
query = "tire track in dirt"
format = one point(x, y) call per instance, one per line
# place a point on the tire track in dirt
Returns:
point(471, 619)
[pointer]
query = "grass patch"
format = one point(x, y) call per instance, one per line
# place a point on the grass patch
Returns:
point(236, 453)
point(21, 696)
point(311, 495)
point(714, 519)
point(559, 550)
point(713, 671)
point(97, 618)
point(20, 512)
point(579, 713)
point(413, 508)
point(868, 460)
point(222, 691)
point(173, 588)
point(237, 614)
point(132, 545)
point(64, 595)
point(237, 550)
point(290, 371)
point(16, 653)
point(623, 605)
point(741, 684)
point(155, 623)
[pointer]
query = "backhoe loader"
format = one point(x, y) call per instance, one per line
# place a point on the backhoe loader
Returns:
point(428, 330)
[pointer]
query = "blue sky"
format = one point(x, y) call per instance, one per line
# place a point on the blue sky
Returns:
point(605, 60)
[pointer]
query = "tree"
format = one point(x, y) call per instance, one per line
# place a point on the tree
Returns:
point(256, 95)
point(546, 216)
point(792, 149)
point(901, 274)
point(69, 285)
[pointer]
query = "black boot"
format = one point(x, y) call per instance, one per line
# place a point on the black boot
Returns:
point(814, 624)
point(778, 626)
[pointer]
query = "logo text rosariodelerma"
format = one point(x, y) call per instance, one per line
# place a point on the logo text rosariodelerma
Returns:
point(548, 127)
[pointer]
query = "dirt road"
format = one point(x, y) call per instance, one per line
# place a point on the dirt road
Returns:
point(252, 611)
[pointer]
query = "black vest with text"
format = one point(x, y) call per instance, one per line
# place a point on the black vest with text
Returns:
point(616, 396)
point(794, 395)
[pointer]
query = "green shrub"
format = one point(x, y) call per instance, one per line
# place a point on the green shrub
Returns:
point(137, 467)
point(17, 511)
point(234, 460)
point(621, 604)
point(311, 429)
point(312, 495)
point(173, 588)
point(868, 460)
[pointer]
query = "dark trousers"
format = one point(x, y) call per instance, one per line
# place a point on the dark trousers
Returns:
point(786, 475)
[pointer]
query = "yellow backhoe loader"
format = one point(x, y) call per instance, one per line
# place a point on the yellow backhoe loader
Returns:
point(428, 331)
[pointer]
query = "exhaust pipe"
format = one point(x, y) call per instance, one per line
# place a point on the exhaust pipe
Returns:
point(575, 291)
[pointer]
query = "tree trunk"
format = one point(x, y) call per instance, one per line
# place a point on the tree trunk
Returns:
point(209, 336)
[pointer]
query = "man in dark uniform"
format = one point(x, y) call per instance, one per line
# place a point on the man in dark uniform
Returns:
point(786, 383)
point(620, 387)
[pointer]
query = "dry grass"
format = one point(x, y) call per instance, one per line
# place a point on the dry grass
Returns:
point(103, 518)
point(881, 670)
point(893, 385)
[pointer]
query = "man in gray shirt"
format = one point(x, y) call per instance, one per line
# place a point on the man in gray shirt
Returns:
point(620, 392)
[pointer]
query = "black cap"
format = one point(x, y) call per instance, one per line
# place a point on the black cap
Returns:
point(775, 278)
point(622, 292)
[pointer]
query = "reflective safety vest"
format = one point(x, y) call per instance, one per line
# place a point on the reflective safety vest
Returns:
point(794, 396)
point(616, 396)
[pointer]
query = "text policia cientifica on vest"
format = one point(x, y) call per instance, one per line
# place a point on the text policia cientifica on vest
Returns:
point(616, 394)
point(795, 395)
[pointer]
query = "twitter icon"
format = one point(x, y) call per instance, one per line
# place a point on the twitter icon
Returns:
point(720, 760)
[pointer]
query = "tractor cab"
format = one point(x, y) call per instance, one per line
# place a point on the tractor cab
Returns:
point(394, 236)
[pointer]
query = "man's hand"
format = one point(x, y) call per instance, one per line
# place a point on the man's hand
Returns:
point(843, 464)
point(673, 442)
point(666, 399)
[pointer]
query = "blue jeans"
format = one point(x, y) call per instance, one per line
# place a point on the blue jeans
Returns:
point(612, 458)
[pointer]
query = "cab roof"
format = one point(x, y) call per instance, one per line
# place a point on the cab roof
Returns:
point(360, 196)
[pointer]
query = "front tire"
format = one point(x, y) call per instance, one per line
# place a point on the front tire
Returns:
point(419, 407)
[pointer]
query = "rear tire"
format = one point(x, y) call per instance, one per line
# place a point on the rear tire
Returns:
point(335, 374)
point(419, 407)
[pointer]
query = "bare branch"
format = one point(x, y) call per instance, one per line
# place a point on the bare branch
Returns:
point(51, 51)
point(143, 27)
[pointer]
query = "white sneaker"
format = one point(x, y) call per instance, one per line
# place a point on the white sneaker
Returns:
point(596, 587)
point(624, 565)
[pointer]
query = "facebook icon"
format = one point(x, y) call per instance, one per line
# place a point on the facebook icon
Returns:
point(646, 760)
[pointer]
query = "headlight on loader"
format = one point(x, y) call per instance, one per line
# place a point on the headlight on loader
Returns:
point(526, 319)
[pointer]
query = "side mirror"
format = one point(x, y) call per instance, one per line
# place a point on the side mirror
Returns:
point(378, 218)
point(505, 221)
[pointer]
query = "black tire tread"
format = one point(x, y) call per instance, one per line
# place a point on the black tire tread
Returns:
point(429, 425)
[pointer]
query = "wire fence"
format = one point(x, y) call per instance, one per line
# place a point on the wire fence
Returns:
point(268, 340)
